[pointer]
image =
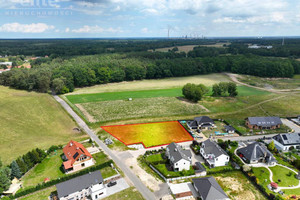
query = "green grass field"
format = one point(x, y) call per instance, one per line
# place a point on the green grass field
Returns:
point(50, 168)
point(30, 120)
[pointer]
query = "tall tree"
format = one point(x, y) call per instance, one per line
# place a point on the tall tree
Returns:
point(4, 178)
point(15, 170)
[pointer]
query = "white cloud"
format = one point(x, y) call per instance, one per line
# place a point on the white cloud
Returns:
point(67, 30)
point(144, 30)
point(96, 29)
point(26, 28)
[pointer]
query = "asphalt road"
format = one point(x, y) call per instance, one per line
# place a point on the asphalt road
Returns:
point(250, 138)
point(147, 194)
point(292, 125)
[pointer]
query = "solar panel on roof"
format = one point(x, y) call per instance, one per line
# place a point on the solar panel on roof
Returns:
point(284, 137)
point(75, 155)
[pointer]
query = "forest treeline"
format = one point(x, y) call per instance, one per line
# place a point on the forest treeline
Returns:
point(63, 75)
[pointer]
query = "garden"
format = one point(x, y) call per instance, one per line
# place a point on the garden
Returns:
point(149, 134)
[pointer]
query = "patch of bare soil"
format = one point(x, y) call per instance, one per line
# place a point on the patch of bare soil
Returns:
point(89, 117)
point(146, 178)
point(235, 188)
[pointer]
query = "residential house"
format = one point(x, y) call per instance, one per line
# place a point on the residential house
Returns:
point(229, 129)
point(257, 153)
point(77, 157)
point(88, 185)
point(203, 122)
point(263, 122)
point(213, 154)
point(286, 141)
point(179, 159)
point(208, 189)
point(182, 191)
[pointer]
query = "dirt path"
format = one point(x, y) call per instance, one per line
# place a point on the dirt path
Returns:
point(234, 78)
point(89, 117)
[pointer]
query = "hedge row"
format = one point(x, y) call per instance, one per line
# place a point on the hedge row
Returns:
point(59, 180)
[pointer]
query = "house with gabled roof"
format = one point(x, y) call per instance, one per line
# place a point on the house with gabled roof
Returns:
point(179, 158)
point(87, 186)
point(286, 141)
point(257, 153)
point(263, 123)
point(76, 156)
point(213, 154)
point(208, 189)
point(203, 122)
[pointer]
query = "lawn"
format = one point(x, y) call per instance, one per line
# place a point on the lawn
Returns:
point(41, 195)
point(238, 187)
point(151, 134)
point(130, 193)
point(171, 174)
point(155, 158)
point(50, 168)
point(263, 176)
point(30, 120)
point(286, 179)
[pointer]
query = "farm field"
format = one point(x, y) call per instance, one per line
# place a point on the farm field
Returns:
point(185, 48)
point(30, 120)
point(276, 83)
point(151, 134)
point(153, 84)
point(238, 187)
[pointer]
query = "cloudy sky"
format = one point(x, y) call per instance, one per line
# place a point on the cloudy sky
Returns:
point(148, 18)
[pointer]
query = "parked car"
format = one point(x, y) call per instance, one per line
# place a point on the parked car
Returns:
point(112, 183)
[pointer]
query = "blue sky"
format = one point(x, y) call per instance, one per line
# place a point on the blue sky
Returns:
point(148, 18)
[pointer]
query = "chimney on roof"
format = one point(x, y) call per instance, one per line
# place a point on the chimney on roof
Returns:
point(71, 144)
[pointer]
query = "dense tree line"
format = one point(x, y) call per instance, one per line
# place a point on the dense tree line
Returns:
point(63, 75)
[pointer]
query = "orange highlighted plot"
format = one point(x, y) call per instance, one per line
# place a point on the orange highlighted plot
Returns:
point(150, 134)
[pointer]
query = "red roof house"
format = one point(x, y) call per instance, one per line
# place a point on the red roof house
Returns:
point(274, 185)
point(77, 157)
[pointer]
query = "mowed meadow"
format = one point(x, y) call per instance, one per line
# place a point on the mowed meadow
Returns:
point(30, 120)
point(151, 99)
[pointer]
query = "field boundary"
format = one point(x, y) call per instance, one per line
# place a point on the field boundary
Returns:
point(104, 128)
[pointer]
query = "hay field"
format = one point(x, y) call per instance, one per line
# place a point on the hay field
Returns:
point(30, 120)
point(152, 84)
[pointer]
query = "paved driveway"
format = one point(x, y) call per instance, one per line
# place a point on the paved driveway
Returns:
point(121, 185)
point(292, 125)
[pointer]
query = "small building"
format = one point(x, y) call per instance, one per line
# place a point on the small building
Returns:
point(182, 191)
point(229, 129)
point(208, 189)
point(200, 170)
point(213, 154)
point(203, 122)
point(77, 157)
point(179, 159)
point(261, 123)
point(286, 141)
point(257, 153)
point(6, 63)
point(274, 185)
point(88, 185)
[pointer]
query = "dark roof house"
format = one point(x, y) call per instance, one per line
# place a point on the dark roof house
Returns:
point(229, 129)
point(176, 153)
point(285, 141)
point(201, 122)
point(263, 122)
point(79, 183)
point(211, 147)
point(208, 189)
point(256, 153)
